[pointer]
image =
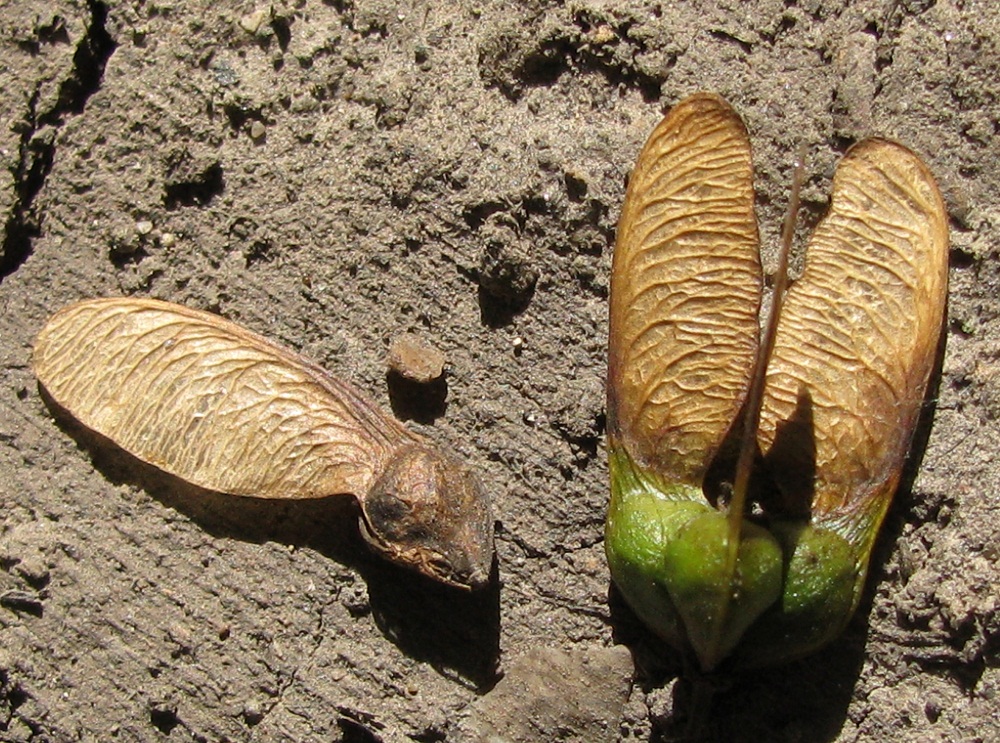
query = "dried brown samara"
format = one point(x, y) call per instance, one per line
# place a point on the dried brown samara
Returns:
point(225, 409)
point(772, 575)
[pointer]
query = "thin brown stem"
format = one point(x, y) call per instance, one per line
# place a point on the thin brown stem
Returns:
point(755, 396)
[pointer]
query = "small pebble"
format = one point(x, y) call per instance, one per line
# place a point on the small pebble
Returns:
point(257, 131)
point(252, 713)
point(413, 358)
point(144, 227)
point(253, 22)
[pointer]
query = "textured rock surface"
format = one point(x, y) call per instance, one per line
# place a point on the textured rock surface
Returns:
point(335, 174)
point(549, 694)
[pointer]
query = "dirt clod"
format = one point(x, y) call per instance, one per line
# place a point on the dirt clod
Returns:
point(415, 358)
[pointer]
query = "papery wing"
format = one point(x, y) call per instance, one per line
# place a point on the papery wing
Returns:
point(857, 340)
point(685, 291)
point(211, 402)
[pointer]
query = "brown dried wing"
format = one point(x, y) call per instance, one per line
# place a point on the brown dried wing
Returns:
point(857, 340)
point(211, 402)
point(685, 291)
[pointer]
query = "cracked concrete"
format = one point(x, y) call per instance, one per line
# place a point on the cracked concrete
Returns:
point(59, 91)
point(335, 174)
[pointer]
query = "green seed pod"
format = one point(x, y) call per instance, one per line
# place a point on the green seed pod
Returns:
point(225, 409)
point(825, 404)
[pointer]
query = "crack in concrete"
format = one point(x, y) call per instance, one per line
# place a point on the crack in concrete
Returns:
point(292, 677)
point(37, 145)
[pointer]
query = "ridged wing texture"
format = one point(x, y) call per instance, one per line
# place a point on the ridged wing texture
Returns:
point(211, 402)
point(685, 291)
point(857, 340)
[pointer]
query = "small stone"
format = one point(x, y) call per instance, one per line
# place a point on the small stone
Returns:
point(257, 131)
point(144, 227)
point(252, 713)
point(168, 239)
point(414, 358)
point(252, 22)
point(932, 708)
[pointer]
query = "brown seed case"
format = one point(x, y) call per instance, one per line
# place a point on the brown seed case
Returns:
point(225, 409)
point(837, 396)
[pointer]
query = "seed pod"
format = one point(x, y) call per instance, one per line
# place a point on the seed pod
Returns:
point(770, 575)
point(225, 409)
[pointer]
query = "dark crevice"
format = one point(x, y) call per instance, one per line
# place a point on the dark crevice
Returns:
point(959, 258)
point(358, 726)
point(555, 57)
point(477, 215)
point(12, 697)
point(198, 190)
point(34, 161)
point(89, 61)
point(584, 438)
point(239, 114)
point(423, 402)
point(36, 147)
point(356, 732)
point(53, 33)
point(22, 602)
point(164, 718)
point(717, 33)
point(786, 24)
point(11, 692)
point(282, 29)
point(517, 59)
